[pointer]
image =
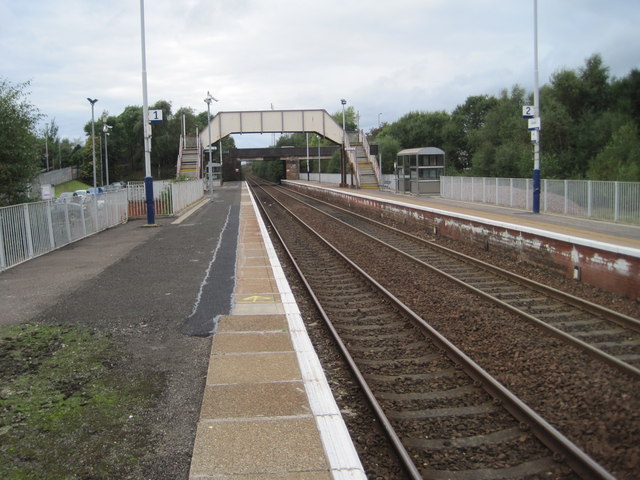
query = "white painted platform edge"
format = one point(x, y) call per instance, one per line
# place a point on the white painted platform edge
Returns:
point(338, 445)
point(608, 247)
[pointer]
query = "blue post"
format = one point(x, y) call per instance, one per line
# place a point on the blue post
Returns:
point(148, 189)
point(536, 190)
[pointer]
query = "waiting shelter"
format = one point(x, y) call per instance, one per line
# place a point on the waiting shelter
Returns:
point(214, 170)
point(418, 170)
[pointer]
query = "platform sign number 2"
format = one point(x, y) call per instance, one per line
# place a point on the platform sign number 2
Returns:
point(528, 111)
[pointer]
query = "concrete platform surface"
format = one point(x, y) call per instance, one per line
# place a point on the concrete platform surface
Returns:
point(615, 234)
point(267, 411)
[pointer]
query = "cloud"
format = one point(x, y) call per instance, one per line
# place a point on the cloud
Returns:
point(383, 57)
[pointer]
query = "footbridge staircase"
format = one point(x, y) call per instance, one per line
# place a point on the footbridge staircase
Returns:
point(364, 164)
point(189, 157)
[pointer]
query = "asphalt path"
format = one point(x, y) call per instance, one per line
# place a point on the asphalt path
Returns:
point(139, 268)
point(156, 291)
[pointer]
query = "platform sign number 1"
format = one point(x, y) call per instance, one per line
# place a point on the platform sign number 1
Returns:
point(155, 116)
point(528, 111)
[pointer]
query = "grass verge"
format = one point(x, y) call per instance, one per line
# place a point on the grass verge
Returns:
point(70, 186)
point(65, 410)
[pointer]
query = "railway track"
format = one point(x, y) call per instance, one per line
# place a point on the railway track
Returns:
point(604, 334)
point(446, 417)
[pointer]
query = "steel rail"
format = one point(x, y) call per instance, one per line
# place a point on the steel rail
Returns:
point(584, 305)
point(404, 456)
point(580, 303)
point(579, 461)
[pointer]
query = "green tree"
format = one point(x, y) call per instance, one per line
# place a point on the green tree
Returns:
point(582, 111)
point(292, 140)
point(625, 94)
point(165, 141)
point(502, 147)
point(350, 119)
point(465, 123)
point(419, 129)
point(299, 139)
point(389, 148)
point(48, 145)
point(271, 170)
point(580, 114)
point(595, 85)
point(620, 159)
point(19, 162)
point(65, 152)
point(126, 145)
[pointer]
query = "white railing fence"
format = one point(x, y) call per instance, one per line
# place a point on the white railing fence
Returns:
point(136, 196)
point(610, 201)
point(32, 229)
point(185, 193)
point(29, 230)
point(168, 197)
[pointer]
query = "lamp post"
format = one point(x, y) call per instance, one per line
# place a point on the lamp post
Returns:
point(148, 179)
point(106, 129)
point(379, 150)
point(46, 145)
point(208, 101)
point(93, 140)
point(319, 161)
point(536, 107)
point(343, 170)
point(308, 160)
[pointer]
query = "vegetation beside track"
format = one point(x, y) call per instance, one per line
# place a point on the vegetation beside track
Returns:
point(60, 393)
point(70, 186)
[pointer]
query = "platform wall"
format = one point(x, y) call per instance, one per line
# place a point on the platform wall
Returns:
point(611, 268)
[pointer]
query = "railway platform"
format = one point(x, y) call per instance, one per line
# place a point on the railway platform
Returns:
point(603, 254)
point(268, 411)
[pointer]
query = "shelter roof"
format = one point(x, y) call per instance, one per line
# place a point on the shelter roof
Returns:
point(421, 151)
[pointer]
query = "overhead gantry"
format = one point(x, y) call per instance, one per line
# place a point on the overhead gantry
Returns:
point(272, 121)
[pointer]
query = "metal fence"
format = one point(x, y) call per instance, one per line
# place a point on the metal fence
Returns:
point(185, 193)
point(168, 197)
point(32, 229)
point(609, 201)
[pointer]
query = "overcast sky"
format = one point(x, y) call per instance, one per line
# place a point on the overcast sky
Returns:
point(386, 58)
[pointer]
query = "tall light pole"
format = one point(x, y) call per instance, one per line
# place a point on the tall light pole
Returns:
point(379, 150)
point(148, 180)
point(536, 108)
point(343, 170)
point(308, 160)
point(208, 101)
point(319, 161)
point(46, 145)
point(93, 140)
point(106, 129)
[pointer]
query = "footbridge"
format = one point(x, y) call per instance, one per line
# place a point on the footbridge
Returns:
point(272, 121)
point(357, 150)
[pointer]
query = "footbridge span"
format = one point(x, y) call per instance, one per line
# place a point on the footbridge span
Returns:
point(357, 150)
point(272, 121)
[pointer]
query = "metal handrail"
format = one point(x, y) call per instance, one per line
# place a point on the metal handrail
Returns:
point(180, 155)
point(374, 161)
point(352, 160)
